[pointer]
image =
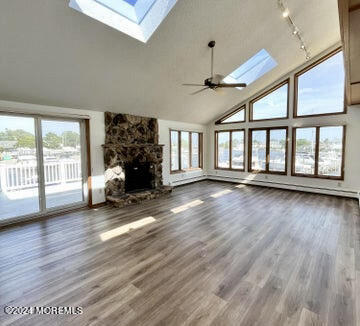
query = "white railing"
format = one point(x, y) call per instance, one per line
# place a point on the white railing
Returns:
point(23, 176)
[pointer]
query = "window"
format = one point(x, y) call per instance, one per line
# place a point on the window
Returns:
point(305, 145)
point(174, 144)
point(268, 150)
point(236, 116)
point(319, 152)
point(250, 71)
point(195, 162)
point(237, 150)
point(258, 152)
point(273, 104)
point(229, 149)
point(320, 88)
point(186, 150)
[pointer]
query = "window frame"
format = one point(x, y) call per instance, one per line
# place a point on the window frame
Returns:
point(264, 94)
point(240, 108)
point(296, 91)
point(267, 155)
point(230, 131)
point(317, 146)
point(190, 151)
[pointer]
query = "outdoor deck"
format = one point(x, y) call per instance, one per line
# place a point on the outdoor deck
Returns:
point(24, 202)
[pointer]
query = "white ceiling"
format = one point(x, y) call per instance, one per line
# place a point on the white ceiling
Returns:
point(53, 55)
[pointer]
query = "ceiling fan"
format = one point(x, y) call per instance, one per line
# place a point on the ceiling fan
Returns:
point(215, 81)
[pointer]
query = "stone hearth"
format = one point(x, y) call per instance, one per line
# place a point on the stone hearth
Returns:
point(131, 139)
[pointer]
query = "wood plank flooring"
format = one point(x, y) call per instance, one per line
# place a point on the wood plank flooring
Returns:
point(211, 253)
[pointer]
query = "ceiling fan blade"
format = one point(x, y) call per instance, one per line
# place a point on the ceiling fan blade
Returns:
point(231, 85)
point(193, 84)
point(203, 89)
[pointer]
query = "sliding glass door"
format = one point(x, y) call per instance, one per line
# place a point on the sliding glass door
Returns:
point(62, 162)
point(42, 165)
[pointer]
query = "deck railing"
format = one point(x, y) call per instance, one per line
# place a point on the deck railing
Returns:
point(23, 176)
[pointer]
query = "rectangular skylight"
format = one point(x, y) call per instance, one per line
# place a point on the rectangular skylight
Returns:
point(257, 66)
point(134, 10)
point(137, 18)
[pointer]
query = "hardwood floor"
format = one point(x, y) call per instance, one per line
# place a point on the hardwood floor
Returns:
point(209, 254)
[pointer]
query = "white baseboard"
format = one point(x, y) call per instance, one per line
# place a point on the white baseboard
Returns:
point(318, 190)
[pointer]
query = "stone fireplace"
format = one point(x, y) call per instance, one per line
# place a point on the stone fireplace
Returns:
point(133, 159)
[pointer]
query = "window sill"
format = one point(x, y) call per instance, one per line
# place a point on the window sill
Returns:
point(325, 177)
point(319, 115)
point(230, 169)
point(268, 172)
point(270, 119)
point(185, 171)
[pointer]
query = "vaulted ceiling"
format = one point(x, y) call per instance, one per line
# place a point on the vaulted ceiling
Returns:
point(53, 55)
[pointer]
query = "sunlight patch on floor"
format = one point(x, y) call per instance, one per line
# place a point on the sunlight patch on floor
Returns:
point(187, 206)
point(221, 193)
point(126, 228)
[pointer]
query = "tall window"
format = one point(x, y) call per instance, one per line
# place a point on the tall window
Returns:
point(229, 149)
point(318, 152)
point(273, 104)
point(268, 150)
point(174, 145)
point(235, 116)
point(195, 157)
point(186, 150)
point(319, 88)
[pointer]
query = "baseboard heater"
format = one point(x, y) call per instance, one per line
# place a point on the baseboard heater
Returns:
point(322, 190)
point(189, 180)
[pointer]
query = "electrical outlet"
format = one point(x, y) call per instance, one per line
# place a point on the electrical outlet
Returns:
point(339, 184)
point(266, 177)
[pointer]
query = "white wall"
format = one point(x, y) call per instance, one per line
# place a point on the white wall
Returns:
point(349, 187)
point(164, 138)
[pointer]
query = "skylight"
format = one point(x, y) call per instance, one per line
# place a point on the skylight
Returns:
point(257, 66)
point(137, 18)
point(134, 10)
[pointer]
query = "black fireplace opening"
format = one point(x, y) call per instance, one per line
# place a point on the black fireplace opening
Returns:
point(138, 177)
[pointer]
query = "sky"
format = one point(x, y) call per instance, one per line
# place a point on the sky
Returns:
point(320, 90)
point(27, 124)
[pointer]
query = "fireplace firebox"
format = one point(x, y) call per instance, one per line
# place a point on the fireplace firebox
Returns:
point(138, 177)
